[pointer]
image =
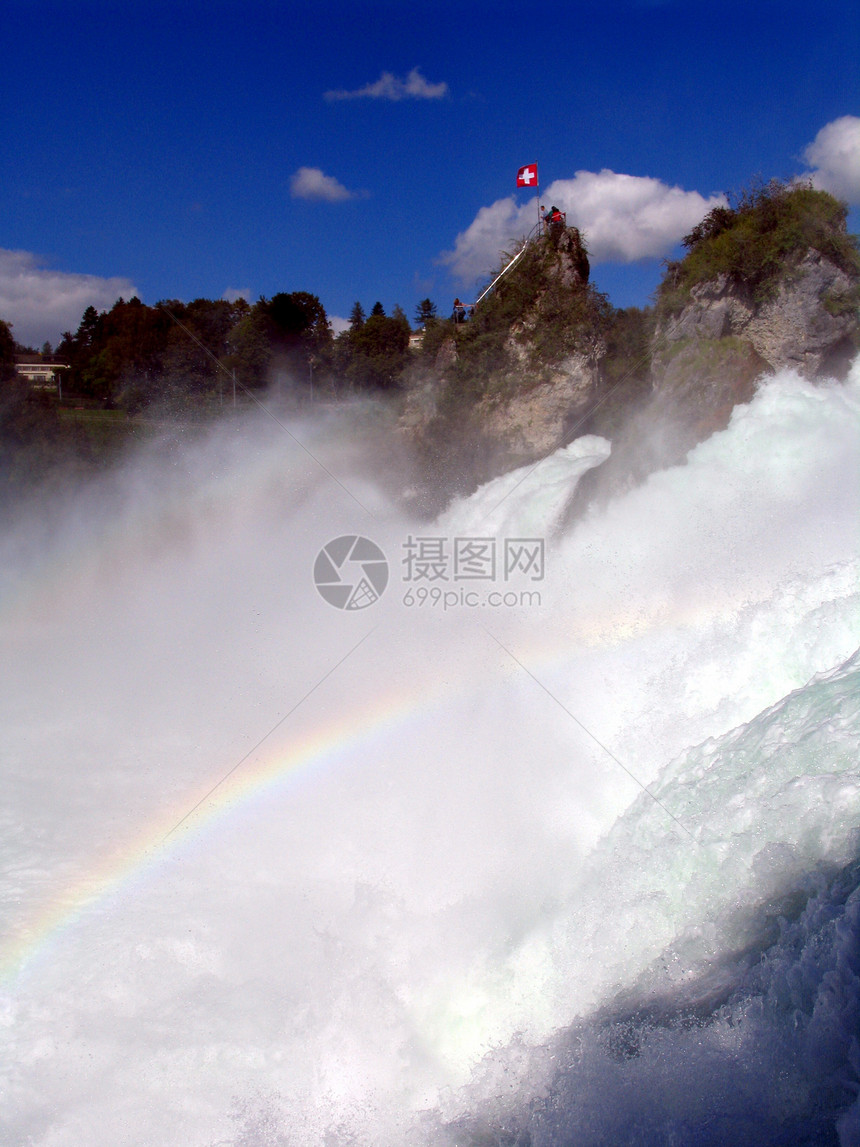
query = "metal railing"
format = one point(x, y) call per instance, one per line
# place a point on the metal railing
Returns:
point(538, 227)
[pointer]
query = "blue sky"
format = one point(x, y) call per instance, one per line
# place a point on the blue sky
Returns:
point(369, 150)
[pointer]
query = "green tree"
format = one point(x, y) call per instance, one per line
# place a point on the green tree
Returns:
point(297, 325)
point(128, 339)
point(356, 316)
point(193, 362)
point(133, 339)
point(7, 353)
point(89, 328)
point(425, 313)
point(250, 349)
point(378, 352)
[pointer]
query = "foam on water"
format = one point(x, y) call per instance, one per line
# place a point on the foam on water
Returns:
point(433, 889)
point(742, 1025)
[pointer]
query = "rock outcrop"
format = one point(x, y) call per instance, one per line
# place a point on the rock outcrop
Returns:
point(707, 358)
point(508, 387)
point(771, 284)
point(534, 422)
point(798, 311)
point(807, 324)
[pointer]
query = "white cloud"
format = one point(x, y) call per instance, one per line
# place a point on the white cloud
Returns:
point(391, 87)
point(494, 229)
point(233, 294)
point(337, 324)
point(623, 218)
point(835, 156)
point(311, 183)
point(41, 303)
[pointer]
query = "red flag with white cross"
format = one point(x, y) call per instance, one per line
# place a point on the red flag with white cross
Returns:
point(527, 176)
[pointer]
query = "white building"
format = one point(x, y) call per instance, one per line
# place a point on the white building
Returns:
point(42, 372)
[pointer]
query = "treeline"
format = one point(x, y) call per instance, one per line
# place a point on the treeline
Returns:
point(133, 366)
point(177, 356)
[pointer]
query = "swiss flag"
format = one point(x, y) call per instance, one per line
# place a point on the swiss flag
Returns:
point(527, 176)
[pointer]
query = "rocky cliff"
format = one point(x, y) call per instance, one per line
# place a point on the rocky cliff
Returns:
point(509, 386)
point(707, 357)
point(807, 324)
point(773, 284)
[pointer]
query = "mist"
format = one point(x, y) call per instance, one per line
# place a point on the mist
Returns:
point(276, 872)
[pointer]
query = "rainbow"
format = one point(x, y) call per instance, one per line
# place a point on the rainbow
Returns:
point(142, 857)
point(313, 753)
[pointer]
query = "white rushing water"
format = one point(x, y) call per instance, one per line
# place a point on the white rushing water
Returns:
point(524, 859)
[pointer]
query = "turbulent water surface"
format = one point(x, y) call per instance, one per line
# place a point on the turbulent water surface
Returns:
point(550, 844)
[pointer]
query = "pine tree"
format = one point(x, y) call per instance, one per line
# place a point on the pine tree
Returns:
point(7, 353)
point(425, 313)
